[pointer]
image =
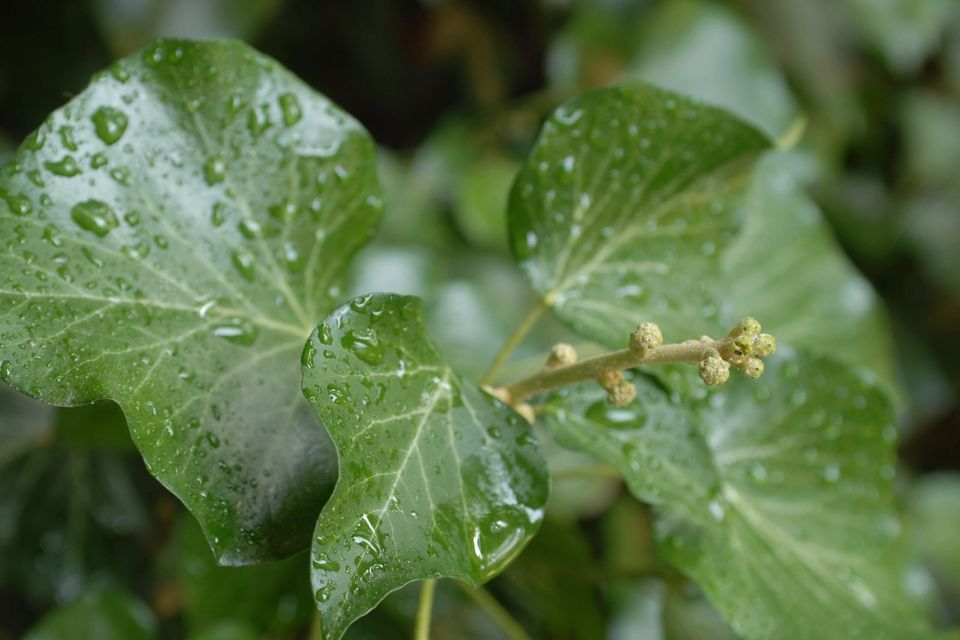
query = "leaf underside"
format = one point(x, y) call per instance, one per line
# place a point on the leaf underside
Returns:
point(437, 478)
point(168, 240)
point(625, 205)
point(774, 495)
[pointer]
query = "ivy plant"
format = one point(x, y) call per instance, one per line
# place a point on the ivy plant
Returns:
point(175, 240)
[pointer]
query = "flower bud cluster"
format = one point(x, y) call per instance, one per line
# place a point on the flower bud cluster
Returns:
point(620, 393)
point(743, 348)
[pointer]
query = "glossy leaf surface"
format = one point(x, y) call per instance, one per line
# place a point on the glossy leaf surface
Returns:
point(787, 270)
point(168, 240)
point(773, 495)
point(624, 206)
point(436, 477)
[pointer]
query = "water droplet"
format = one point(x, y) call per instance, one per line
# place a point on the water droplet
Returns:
point(365, 345)
point(95, 216)
point(244, 263)
point(66, 167)
point(110, 124)
point(290, 107)
point(213, 439)
point(214, 171)
point(259, 120)
point(19, 205)
point(98, 160)
point(218, 214)
point(237, 331)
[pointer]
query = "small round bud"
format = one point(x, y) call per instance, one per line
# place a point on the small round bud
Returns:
point(646, 337)
point(749, 326)
point(753, 368)
point(526, 412)
point(561, 355)
point(714, 370)
point(610, 378)
point(622, 394)
point(737, 350)
point(764, 345)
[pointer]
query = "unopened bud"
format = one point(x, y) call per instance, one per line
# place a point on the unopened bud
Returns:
point(646, 337)
point(622, 394)
point(714, 370)
point(737, 350)
point(765, 345)
point(561, 355)
point(748, 326)
point(609, 379)
point(753, 368)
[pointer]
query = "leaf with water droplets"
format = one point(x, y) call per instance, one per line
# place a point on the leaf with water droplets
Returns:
point(625, 205)
point(787, 270)
point(142, 260)
point(436, 477)
point(774, 495)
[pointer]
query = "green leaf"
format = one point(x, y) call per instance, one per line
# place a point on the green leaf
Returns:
point(704, 50)
point(787, 270)
point(71, 520)
point(624, 206)
point(934, 519)
point(168, 240)
point(436, 477)
point(904, 31)
point(105, 615)
point(774, 495)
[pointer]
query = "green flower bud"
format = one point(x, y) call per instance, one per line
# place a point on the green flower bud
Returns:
point(748, 326)
point(609, 379)
point(561, 355)
point(714, 370)
point(622, 394)
point(764, 345)
point(753, 368)
point(646, 337)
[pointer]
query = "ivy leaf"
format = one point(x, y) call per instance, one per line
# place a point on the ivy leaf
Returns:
point(704, 50)
point(436, 477)
point(168, 240)
point(624, 206)
point(773, 495)
point(786, 259)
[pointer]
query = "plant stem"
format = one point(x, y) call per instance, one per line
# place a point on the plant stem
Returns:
point(690, 351)
point(510, 627)
point(425, 610)
point(513, 341)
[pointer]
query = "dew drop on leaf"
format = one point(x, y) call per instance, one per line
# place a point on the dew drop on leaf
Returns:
point(109, 124)
point(95, 216)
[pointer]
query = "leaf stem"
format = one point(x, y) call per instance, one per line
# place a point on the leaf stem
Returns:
point(514, 340)
point(510, 627)
point(691, 351)
point(425, 610)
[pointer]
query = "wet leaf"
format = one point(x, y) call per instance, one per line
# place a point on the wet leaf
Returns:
point(436, 477)
point(102, 615)
point(788, 270)
point(773, 495)
point(704, 50)
point(168, 240)
point(624, 207)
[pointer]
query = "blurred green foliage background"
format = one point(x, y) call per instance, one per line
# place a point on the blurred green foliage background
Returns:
point(454, 91)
